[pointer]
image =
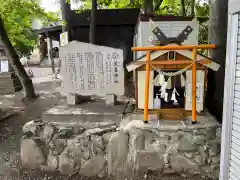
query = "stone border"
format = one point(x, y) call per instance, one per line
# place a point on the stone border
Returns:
point(132, 148)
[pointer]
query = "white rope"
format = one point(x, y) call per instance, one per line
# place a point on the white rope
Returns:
point(170, 74)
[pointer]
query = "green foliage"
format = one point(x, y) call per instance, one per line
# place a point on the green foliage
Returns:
point(168, 7)
point(49, 18)
point(202, 10)
point(18, 16)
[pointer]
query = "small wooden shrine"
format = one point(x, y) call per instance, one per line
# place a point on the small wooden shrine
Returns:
point(170, 75)
point(179, 68)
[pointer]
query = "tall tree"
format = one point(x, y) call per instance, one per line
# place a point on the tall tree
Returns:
point(63, 15)
point(92, 28)
point(217, 35)
point(183, 10)
point(193, 8)
point(16, 64)
point(148, 7)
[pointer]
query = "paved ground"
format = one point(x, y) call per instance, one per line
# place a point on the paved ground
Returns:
point(10, 130)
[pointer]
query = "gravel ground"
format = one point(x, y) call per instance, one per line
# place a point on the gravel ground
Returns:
point(10, 134)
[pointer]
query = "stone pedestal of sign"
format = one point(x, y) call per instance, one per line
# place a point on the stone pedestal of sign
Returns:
point(111, 99)
point(73, 99)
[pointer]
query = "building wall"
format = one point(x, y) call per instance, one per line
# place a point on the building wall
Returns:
point(230, 143)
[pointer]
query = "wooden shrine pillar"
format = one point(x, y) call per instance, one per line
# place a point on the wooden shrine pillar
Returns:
point(194, 79)
point(146, 95)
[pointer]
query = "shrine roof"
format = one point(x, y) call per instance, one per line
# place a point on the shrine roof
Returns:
point(187, 53)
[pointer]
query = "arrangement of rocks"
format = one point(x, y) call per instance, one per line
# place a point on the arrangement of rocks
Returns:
point(104, 149)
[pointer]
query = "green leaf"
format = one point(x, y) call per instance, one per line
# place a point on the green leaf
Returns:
point(18, 16)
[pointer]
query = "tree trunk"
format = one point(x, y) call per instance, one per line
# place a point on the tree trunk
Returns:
point(193, 8)
point(62, 4)
point(92, 28)
point(16, 64)
point(157, 6)
point(183, 10)
point(148, 7)
point(218, 18)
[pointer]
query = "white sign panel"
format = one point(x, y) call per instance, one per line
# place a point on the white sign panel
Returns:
point(4, 66)
point(92, 70)
point(64, 38)
point(199, 90)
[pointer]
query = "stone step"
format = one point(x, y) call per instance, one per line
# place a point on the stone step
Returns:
point(9, 82)
point(8, 90)
point(87, 114)
point(7, 75)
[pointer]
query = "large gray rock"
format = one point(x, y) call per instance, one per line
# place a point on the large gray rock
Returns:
point(93, 166)
point(175, 137)
point(66, 131)
point(66, 164)
point(216, 159)
point(181, 164)
point(31, 155)
point(57, 146)
point(215, 169)
point(52, 163)
point(199, 159)
point(83, 147)
point(214, 147)
point(106, 137)
point(136, 143)
point(48, 132)
point(32, 127)
point(74, 149)
point(187, 143)
point(117, 152)
point(199, 139)
point(101, 131)
point(211, 133)
point(149, 160)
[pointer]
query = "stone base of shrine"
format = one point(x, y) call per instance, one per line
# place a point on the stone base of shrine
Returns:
point(124, 149)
